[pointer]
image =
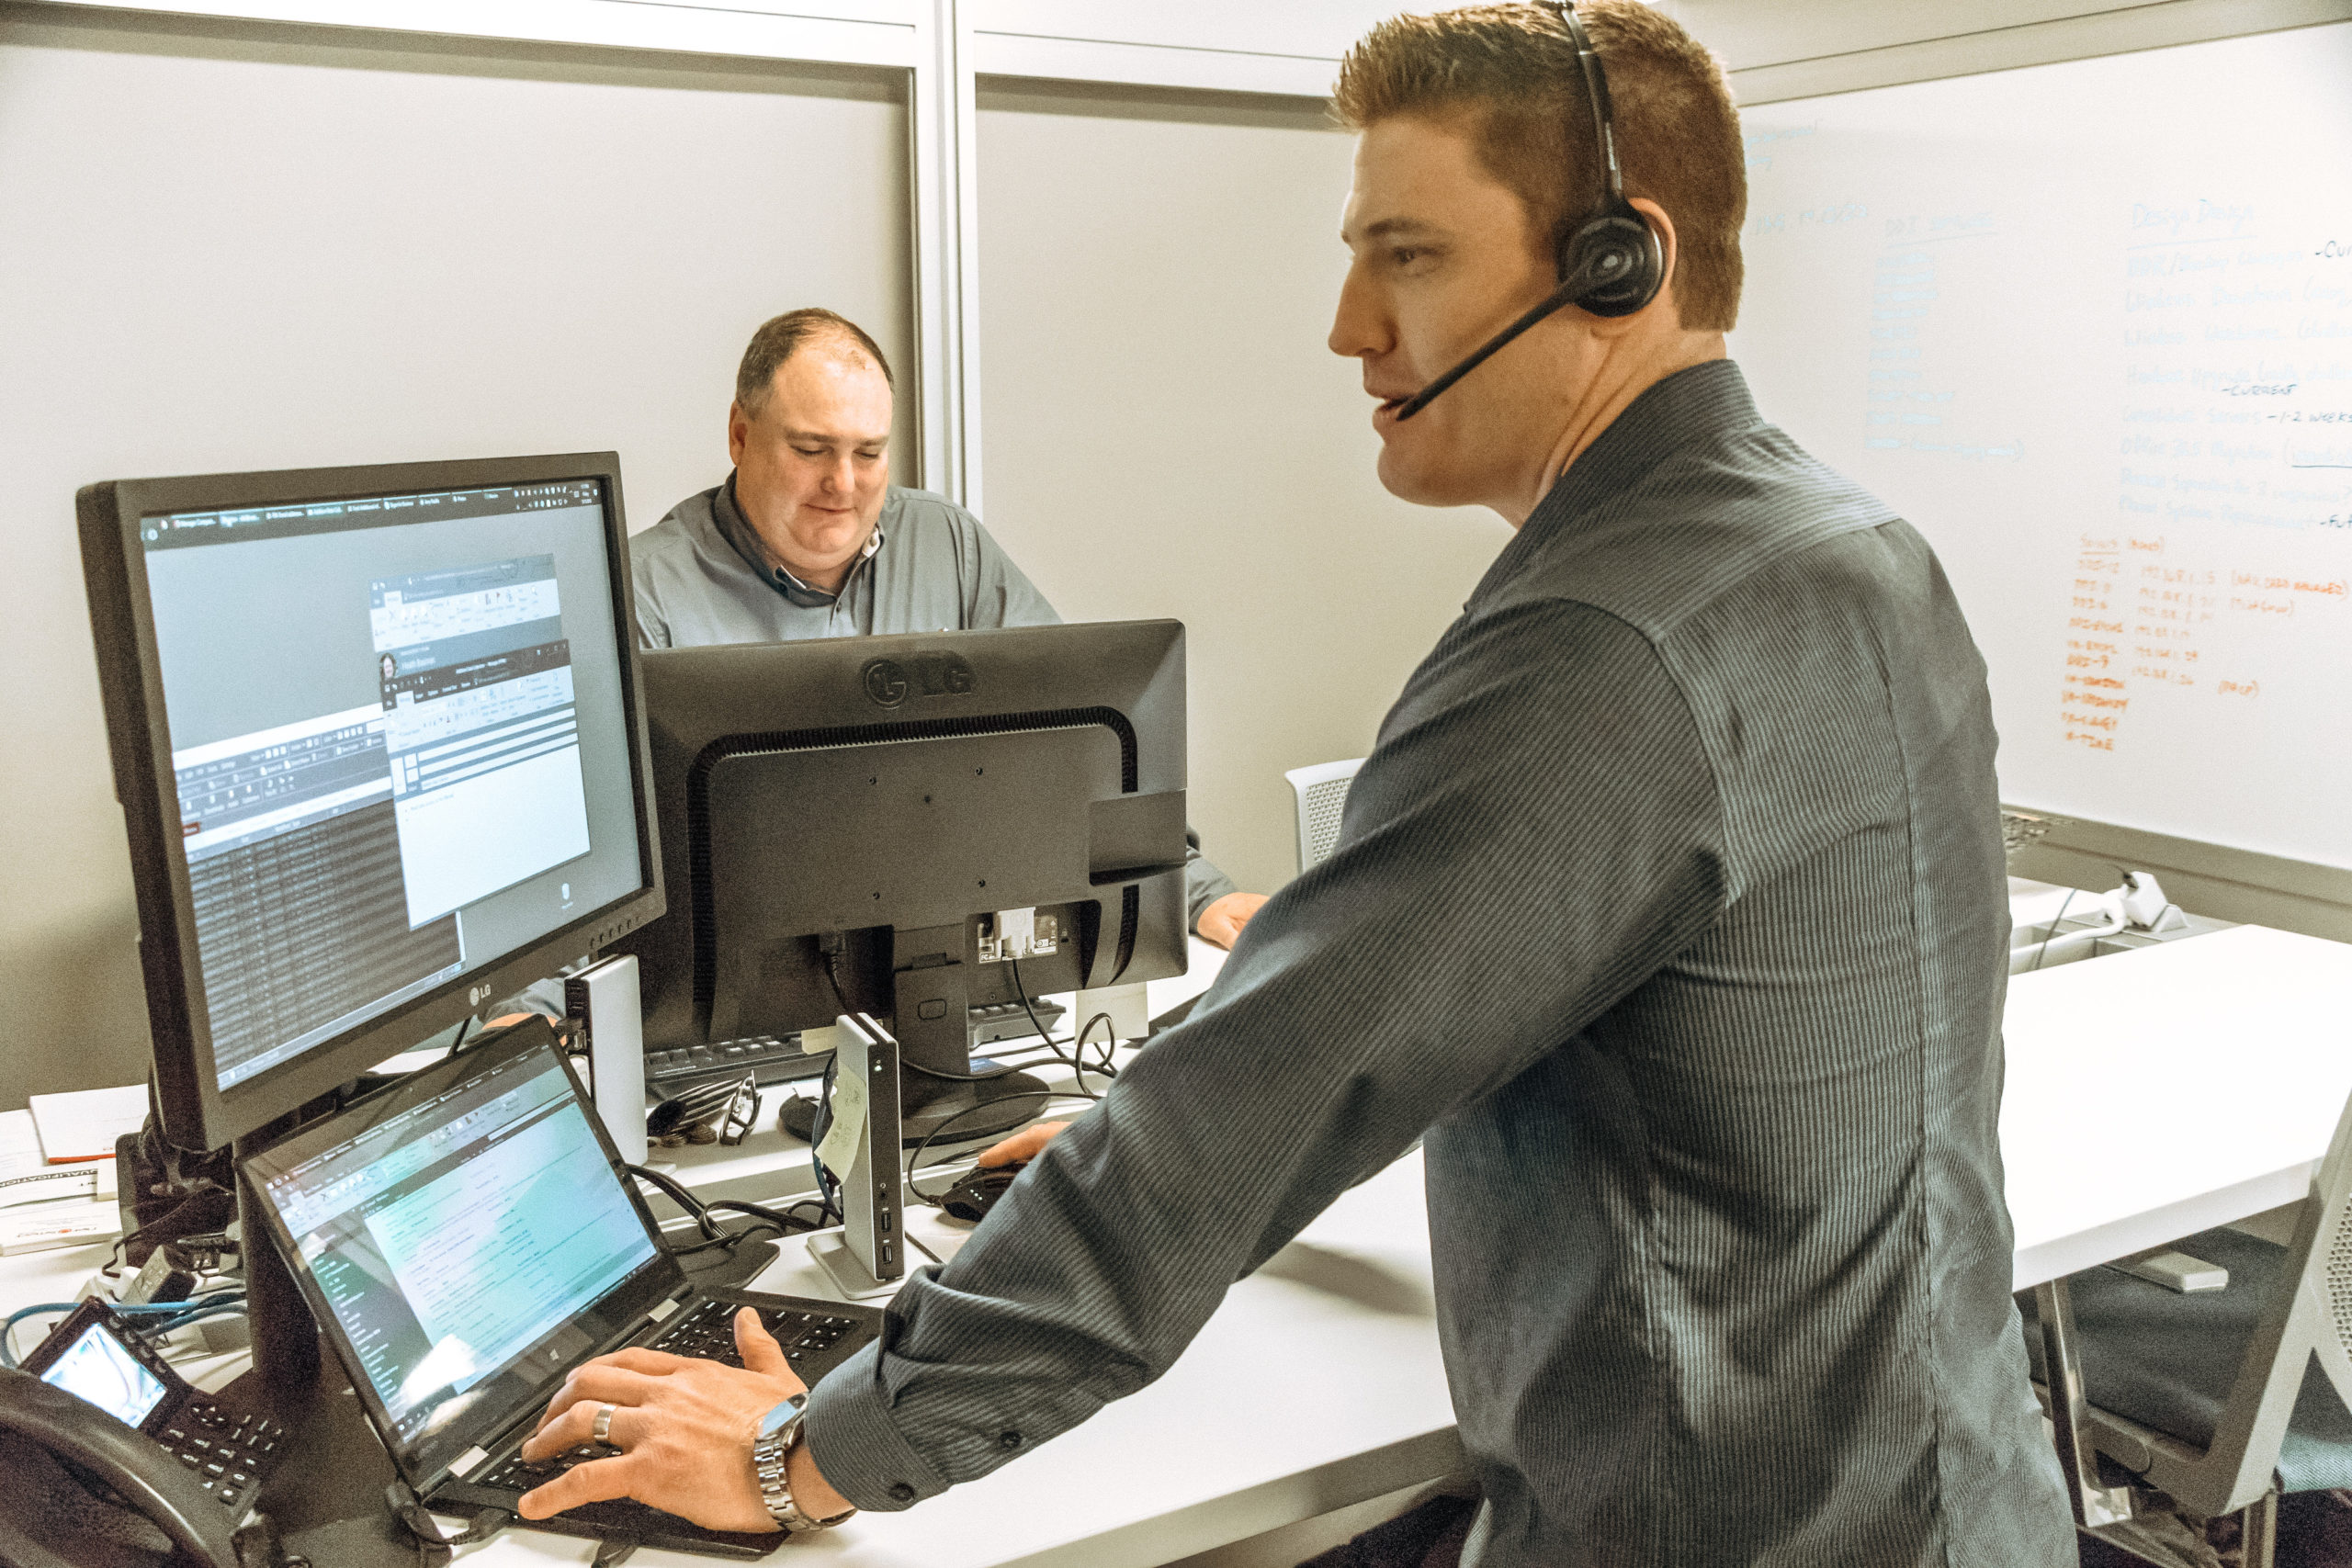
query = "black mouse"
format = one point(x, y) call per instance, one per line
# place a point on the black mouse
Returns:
point(974, 1196)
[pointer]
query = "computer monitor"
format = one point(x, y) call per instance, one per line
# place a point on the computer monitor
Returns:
point(377, 739)
point(905, 825)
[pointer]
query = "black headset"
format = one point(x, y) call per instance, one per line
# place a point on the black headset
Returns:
point(1611, 263)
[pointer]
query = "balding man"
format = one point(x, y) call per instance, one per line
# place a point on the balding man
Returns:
point(807, 538)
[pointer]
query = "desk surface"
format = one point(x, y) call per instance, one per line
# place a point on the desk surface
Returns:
point(2156, 1093)
point(2149, 1095)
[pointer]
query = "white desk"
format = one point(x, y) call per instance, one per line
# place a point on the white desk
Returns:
point(2156, 1093)
point(2149, 1095)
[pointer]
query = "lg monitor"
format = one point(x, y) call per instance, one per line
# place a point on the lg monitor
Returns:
point(908, 826)
point(378, 740)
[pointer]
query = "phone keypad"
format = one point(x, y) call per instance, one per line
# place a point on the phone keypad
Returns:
point(229, 1453)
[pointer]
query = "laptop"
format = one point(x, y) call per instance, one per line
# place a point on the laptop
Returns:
point(466, 1237)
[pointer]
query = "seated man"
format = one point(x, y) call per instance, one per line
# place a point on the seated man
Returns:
point(807, 538)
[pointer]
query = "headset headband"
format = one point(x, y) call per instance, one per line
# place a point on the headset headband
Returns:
point(1596, 93)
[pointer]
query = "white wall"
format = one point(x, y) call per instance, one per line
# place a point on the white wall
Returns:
point(225, 248)
point(1167, 433)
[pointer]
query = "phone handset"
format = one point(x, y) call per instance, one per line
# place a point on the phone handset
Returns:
point(156, 1506)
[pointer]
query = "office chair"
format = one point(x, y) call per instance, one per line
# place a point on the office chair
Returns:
point(1322, 792)
point(2222, 1399)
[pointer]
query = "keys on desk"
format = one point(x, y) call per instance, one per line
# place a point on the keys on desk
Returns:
point(229, 1453)
point(708, 1331)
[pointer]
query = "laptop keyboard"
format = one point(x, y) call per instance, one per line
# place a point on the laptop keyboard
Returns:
point(708, 1330)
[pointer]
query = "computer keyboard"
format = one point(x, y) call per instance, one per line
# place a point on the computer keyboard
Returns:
point(992, 1022)
point(775, 1059)
point(768, 1058)
point(708, 1331)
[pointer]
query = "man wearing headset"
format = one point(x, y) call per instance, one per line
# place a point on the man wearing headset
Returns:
point(1670, 910)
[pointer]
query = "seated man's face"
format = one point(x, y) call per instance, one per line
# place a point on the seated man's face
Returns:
point(812, 465)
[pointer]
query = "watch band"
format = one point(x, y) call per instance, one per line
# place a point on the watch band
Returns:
point(771, 1455)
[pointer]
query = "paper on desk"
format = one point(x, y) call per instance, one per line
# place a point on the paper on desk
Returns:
point(43, 1227)
point(84, 1123)
point(839, 1149)
point(27, 1177)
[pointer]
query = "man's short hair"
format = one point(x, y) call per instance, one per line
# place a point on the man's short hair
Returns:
point(1509, 74)
point(779, 338)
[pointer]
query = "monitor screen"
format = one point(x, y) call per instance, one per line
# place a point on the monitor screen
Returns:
point(463, 1242)
point(398, 742)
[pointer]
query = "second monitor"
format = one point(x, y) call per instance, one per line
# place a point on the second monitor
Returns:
point(908, 826)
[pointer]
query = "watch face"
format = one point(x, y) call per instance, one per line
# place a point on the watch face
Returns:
point(783, 1416)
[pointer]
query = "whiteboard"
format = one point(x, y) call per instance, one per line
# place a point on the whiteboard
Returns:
point(2088, 326)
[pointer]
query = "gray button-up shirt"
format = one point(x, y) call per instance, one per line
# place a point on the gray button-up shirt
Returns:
point(1670, 906)
point(701, 578)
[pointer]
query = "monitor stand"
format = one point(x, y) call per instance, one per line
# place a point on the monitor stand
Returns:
point(932, 986)
point(931, 997)
point(284, 1335)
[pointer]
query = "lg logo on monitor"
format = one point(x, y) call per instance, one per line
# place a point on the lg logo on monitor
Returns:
point(889, 682)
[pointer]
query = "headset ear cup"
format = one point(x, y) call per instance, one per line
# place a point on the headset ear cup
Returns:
point(1622, 254)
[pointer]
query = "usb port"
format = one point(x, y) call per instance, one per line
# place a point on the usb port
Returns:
point(882, 1218)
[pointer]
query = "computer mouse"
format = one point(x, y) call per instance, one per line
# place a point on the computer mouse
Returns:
point(977, 1193)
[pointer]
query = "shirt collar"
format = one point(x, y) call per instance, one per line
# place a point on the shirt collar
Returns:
point(737, 531)
point(1689, 408)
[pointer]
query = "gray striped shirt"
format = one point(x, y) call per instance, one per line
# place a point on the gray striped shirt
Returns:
point(1670, 906)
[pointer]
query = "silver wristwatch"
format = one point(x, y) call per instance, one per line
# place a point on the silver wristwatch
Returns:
point(772, 1446)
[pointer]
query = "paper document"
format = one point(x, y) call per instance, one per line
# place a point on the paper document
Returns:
point(27, 1177)
point(838, 1147)
point(85, 1124)
point(45, 1226)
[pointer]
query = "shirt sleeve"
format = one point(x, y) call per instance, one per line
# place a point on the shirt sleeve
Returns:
point(652, 626)
point(998, 593)
point(1536, 832)
point(1203, 883)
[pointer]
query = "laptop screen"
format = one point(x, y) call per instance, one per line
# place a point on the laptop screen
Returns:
point(470, 1241)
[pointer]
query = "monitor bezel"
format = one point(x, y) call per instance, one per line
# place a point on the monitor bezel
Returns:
point(197, 1112)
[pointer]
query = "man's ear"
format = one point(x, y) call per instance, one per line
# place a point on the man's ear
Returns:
point(738, 433)
point(1664, 228)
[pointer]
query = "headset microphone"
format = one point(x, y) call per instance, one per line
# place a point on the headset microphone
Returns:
point(1611, 263)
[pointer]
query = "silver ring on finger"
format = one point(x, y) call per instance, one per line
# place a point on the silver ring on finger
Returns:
point(601, 1431)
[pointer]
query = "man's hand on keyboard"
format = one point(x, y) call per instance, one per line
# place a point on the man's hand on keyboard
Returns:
point(685, 1428)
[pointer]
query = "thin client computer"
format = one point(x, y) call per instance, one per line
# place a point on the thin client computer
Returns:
point(378, 737)
point(906, 826)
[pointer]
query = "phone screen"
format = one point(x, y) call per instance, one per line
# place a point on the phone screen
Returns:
point(98, 1367)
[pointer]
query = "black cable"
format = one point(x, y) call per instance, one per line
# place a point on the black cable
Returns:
point(1027, 1006)
point(957, 1078)
point(1078, 1071)
point(914, 1161)
point(2050, 933)
point(781, 1221)
point(1110, 1067)
point(458, 1044)
point(679, 1195)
